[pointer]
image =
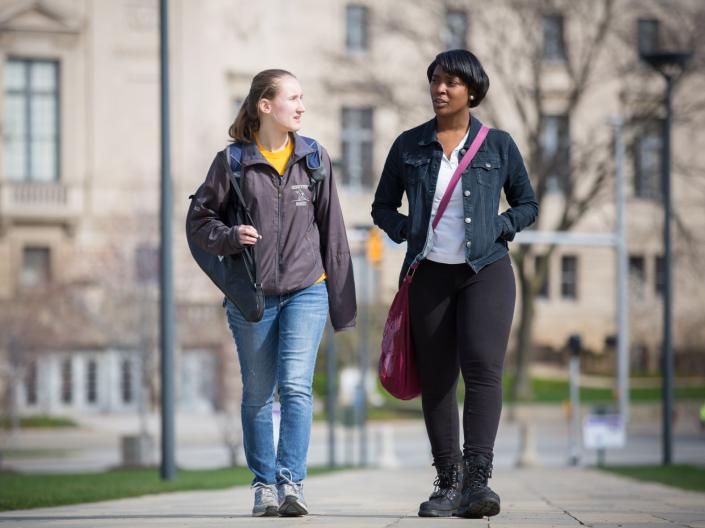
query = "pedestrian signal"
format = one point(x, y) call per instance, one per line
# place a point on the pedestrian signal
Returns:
point(375, 246)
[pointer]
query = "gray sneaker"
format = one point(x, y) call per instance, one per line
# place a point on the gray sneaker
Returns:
point(291, 497)
point(266, 503)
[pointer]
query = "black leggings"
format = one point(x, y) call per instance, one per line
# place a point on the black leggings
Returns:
point(460, 322)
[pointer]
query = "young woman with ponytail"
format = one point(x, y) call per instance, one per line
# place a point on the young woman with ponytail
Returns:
point(306, 273)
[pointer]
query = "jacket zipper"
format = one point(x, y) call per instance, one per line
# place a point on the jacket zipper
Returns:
point(279, 229)
point(280, 180)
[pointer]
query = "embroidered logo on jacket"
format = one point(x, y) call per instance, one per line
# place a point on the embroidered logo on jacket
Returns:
point(301, 198)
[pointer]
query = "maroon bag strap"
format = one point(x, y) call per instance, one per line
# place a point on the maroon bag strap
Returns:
point(469, 155)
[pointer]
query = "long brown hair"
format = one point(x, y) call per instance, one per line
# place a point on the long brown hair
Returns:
point(264, 86)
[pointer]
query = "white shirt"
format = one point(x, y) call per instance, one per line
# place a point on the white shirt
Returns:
point(448, 243)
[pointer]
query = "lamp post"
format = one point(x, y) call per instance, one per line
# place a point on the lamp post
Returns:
point(671, 66)
point(166, 287)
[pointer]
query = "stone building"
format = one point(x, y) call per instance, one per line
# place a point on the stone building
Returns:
point(79, 166)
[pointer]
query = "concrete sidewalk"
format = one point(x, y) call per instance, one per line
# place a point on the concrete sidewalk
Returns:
point(384, 498)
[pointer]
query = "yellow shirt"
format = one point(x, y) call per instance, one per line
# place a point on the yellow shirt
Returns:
point(278, 160)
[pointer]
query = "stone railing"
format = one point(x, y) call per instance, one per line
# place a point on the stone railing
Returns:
point(40, 203)
point(38, 193)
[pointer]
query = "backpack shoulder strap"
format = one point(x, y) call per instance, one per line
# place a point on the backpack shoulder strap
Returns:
point(233, 154)
point(313, 160)
point(314, 163)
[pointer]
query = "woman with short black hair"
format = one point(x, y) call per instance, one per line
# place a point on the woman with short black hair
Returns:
point(461, 300)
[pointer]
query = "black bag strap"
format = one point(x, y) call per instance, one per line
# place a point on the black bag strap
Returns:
point(236, 186)
point(248, 252)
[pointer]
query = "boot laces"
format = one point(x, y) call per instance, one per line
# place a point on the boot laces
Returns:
point(446, 481)
point(479, 474)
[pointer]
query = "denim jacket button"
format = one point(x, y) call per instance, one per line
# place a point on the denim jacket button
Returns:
point(467, 220)
point(468, 244)
point(466, 193)
point(488, 165)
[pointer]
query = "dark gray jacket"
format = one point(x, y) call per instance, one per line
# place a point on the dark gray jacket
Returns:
point(412, 167)
point(300, 239)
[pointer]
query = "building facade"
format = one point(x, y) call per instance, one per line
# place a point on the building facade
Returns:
point(79, 165)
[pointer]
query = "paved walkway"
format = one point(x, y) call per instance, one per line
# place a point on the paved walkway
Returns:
point(539, 497)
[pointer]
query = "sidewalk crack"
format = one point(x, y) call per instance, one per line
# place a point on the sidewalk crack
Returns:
point(552, 505)
point(396, 522)
point(674, 523)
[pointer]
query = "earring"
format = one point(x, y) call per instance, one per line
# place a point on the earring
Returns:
point(472, 97)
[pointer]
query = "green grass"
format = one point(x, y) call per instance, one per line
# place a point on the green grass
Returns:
point(39, 421)
point(28, 454)
point(555, 391)
point(545, 391)
point(682, 476)
point(24, 491)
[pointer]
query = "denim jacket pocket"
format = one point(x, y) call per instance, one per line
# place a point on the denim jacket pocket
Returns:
point(415, 169)
point(487, 170)
point(498, 227)
point(415, 165)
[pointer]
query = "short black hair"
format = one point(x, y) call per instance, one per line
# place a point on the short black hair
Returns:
point(465, 65)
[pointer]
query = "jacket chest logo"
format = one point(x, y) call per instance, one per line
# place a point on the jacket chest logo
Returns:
point(301, 198)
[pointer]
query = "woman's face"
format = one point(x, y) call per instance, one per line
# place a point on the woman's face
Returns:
point(449, 94)
point(287, 107)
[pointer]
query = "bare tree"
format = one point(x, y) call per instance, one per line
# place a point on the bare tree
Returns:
point(31, 327)
point(591, 49)
point(603, 46)
point(577, 171)
point(120, 297)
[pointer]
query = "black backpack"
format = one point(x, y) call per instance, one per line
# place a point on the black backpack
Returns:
point(237, 276)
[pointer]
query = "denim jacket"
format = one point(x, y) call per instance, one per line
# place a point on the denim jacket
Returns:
point(412, 166)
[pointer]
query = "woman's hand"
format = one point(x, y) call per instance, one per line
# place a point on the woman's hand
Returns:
point(247, 235)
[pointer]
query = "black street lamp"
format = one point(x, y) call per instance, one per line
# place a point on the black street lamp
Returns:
point(671, 65)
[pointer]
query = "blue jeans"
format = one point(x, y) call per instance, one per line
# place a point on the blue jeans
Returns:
point(279, 352)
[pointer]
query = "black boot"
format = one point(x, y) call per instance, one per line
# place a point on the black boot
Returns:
point(478, 500)
point(446, 495)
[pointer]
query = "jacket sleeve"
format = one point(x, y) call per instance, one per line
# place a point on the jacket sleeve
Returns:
point(335, 252)
point(207, 225)
point(523, 207)
point(385, 207)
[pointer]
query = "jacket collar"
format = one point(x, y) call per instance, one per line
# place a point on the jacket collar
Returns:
point(428, 132)
point(251, 154)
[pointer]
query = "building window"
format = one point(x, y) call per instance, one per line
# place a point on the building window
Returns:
point(648, 35)
point(357, 138)
point(67, 381)
point(455, 34)
point(539, 263)
point(555, 143)
point(31, 383)
point(35, 267)
point(637, 275)
point(647, 160)
point(553, 41)
point(92, 381)
point(569, 277)
point(126, 381)
point(659, 276)
point(356, 28)
point(31, 120)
